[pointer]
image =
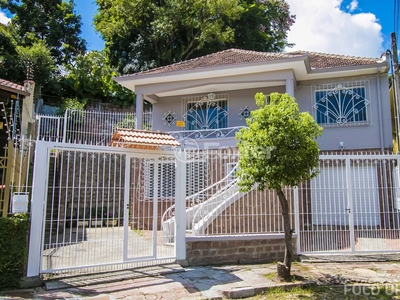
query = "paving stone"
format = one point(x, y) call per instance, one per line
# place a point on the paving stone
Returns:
point(210, 282)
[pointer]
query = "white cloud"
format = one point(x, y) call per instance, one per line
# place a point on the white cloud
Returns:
point(3, 18)
point(352, 6)
point(322, 27)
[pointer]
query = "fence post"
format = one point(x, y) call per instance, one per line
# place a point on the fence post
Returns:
point(65, 126)
point(38, 202)
point(10, 165)
point(180, 205)
point(350, 211)
point(127, 205)
point(297, 217)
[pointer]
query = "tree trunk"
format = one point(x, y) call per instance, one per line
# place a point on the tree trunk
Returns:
point(284, 268)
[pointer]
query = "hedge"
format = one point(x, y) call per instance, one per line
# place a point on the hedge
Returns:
point(13, 250)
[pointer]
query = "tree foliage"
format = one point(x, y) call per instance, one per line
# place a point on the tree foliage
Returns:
point(36, 61)
point(91, 78)
point(52, 21)
point(142, 34)
point(278, 149)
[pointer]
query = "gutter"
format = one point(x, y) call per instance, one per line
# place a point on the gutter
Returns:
point(378, 84)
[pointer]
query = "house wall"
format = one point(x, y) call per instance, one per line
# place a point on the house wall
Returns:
point(353, 137)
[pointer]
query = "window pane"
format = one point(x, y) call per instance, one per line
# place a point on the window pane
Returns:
point(341, 105)
point(206, 115)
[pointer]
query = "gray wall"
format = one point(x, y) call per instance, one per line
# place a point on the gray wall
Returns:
point(353, 137)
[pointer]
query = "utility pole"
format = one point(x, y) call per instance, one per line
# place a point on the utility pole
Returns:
point(395, 87)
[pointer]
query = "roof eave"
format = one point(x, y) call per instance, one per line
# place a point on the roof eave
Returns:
point(13, 90)
point(136, 79)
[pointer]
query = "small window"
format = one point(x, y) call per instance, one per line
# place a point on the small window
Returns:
point(195, 182)
point(342, 105)
point(166, 180)
point(208, 112)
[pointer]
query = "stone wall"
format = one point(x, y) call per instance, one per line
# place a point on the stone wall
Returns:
point(236, 250)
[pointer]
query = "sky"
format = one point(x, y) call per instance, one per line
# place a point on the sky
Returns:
point(348, 27)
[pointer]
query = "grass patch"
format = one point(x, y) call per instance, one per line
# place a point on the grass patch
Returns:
point(329, 292)
point(138, 231)
point(270, 276)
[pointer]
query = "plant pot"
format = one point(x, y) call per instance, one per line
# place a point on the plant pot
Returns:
point(96, 223)
point(83, 223)
point(110, 223)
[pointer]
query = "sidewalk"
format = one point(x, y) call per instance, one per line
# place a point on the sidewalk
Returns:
point(208, 282)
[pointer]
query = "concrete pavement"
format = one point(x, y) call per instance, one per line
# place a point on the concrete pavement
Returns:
point(212, 282)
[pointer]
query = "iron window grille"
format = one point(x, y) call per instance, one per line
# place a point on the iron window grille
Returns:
point(342, 104)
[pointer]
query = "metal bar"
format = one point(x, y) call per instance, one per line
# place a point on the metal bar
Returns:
point(38, 205)
point(180, 205)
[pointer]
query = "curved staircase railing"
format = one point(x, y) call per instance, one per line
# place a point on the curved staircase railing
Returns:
point(195, 200)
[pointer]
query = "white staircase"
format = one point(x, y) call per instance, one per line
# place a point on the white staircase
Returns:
point(207, 205)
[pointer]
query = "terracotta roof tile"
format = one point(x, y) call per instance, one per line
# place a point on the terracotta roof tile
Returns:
point(237, 56)
point(134, 138)
point(11, 85)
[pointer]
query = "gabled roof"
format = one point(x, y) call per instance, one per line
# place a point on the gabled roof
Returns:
point(13, 87)
point(142, 139)
point(237, 56)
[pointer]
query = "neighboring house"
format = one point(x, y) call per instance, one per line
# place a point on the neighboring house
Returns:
point(213, 94)
point(16, 119)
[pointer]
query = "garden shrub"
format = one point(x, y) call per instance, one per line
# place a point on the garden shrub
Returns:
point(13, 250)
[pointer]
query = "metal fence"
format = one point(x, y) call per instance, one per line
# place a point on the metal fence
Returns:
point(352, 206)
point(86, 126)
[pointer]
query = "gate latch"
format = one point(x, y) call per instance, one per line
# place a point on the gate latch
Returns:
point(348, 210)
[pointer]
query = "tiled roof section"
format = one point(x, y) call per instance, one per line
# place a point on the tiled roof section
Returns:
point(11, 85)
point(326, 61)
point(237, 56)
point(125, 137)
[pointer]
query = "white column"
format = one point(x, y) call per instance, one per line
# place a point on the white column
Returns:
point(180, 205)
point(38, 206)
point(290, 86)
point(139, 111)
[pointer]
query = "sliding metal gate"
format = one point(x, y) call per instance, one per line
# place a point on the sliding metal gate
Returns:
point(352, 206)
point(98, 208)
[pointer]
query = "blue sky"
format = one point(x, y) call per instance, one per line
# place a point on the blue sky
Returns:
point(350, 27)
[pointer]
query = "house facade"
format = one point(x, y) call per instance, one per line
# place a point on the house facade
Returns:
point(204, 101)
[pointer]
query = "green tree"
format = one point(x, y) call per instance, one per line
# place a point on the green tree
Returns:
point(51, 21)
point(142, 34)
point(278, 149)
point(36, 62)
point(8, 55)
point(91, 79)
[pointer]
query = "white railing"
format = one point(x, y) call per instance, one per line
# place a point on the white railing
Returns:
point(195, 202)
point(86, 126)
point(219, 133)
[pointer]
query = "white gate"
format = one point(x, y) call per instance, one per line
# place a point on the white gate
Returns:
point(351, 206)
point(99, 208)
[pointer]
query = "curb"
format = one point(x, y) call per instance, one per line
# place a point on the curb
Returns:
point(243, 292)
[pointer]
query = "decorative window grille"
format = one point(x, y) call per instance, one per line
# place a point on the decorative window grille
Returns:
point(195, 182)
point(196, 177)
point(229, 168)
point(166, 179)
point(205, 112)
point(342, 104)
